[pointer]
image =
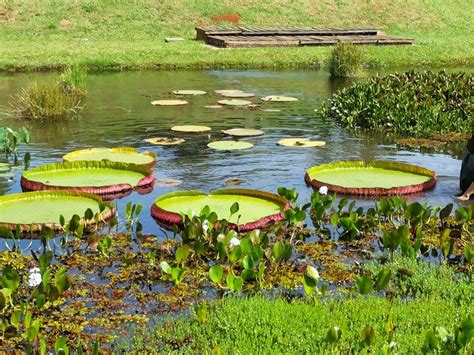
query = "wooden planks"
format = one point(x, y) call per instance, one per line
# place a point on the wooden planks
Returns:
point(249, 37)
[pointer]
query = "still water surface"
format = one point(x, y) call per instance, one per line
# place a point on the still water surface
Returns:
point(119, 113)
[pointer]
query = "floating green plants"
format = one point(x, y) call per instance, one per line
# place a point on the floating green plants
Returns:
point(191, 129)
point(371, 178)
point(238, 95)
point(275, 98)
point(121, 155)
point(31, 210)
point(169, 102)
point(300, 143)
point(230, 145)
point(256, 209)
point(165, 141)
point(243, 132)
point(108, 179)
point(189, 92)
point(234, 102)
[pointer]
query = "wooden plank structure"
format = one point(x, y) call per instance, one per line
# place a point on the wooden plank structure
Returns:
point(239, 37)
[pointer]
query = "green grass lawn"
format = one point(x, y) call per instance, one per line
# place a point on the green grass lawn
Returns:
point(120, 34)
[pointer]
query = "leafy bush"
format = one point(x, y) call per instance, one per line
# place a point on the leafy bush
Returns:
point(45, 102)
point(345, 61)
point(414, 104)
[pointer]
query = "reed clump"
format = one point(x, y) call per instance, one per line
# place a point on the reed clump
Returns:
point(345, 61)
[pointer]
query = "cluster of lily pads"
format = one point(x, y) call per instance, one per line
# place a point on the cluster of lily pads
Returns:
point(234, 98)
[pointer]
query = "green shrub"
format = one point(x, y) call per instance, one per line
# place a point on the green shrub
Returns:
point(345, 61)
point(45, 102)
point(412, 103)
point(73, 80)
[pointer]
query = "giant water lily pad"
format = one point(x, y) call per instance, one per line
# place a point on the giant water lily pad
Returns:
point(169, 102)
point(108, 179)
point(371, 178)
point(275, 98)
point(121, 155)
point(230, 145)
point(189, 92)
point(33, 209)
point(227, 91)
point(243, 132)
point(238, 94)
point(165, 141)
point(234, 102)
point(256, 208)
point(300, 143)
point(191, 129)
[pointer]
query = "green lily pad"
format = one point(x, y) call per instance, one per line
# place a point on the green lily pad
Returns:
point(227, 91)
point(243, 132)
point(230, 145)
point(214, 106)
point(169, 102)
point(45, 207)
point(300, 143)
point(122, 155)
point(238, 94)
point(189, 92)
point(191, 129)
point(165, 141)
point(234, 102)
point(279, 98)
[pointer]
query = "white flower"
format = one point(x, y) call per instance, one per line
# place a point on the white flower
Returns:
point(34, 278)
point(205, 226)
point(323, 190)
point(220, 238)
point(234, 242)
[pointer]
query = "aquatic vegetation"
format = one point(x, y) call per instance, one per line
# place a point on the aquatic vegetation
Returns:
point(371, 178)
point(230, 145)
point(414, 104)
point(345, 60)
point(243, 132)
point(120, 155)
point(191, 129)
point(10, 140)
point(104, 178)
point(45, 102)
point(237, 94)
point(73, 81)
point(234, 102)
point(169, 102)
point(189, 92)
point(276, 98)
point(165, 141)
point(300, 143)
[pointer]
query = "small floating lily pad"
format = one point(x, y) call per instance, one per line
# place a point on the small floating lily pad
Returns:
point(243, 132)
point(167, 182)
point(169, 102)
point(122, 154)
point(189, 92)
point(214, 106)
point(230, 145)
point(165, 141)
point(272, 110)
point(300, 143)
point(191, 129)
point(279, 98)
point(371, 178)
point(256, 208)
point(32, 209)
point(102, 178)
point(227, 91)
point(234, 102)
point(238, 95)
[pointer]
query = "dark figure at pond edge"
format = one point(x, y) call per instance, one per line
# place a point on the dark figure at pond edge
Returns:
point(467, 172)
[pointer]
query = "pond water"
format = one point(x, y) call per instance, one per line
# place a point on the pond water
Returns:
point(119, 113)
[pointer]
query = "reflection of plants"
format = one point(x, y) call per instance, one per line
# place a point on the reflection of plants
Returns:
point(10, 140)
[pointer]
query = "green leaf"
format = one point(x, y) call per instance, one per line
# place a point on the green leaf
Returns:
point(469, 253)
point(309, 284)
point(246, 245)
point(334, 334)
point(16, 317)
point(364, 285)
point(383, 278)
point(165, 267)
point(182, 253)
point(61, 280)
point(234, 208)
point(10, 278)
point(247, 262)
point(312, 272)
point(216, 273)
point(33, 330)
point(368, 335)
point(60, 346)
point(235, 254)
point(201, 312)
point(446, 211)
point(42, 345)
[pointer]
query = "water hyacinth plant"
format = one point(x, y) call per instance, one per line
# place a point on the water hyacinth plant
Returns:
point(413, 104)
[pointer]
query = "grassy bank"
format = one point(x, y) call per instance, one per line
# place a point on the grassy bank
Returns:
point(120, 34)
point(259, 325)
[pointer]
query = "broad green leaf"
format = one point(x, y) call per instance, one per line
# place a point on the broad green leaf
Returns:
point(216, 273)
point(364, 285)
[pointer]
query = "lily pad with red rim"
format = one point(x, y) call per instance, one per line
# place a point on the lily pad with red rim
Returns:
point(256, 208)
point(31, 210)
point(107, 179)
point(121, 155)
point(371, 178)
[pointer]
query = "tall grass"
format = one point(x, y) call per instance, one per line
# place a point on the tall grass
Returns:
point(345, 60)
point(50, 102)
